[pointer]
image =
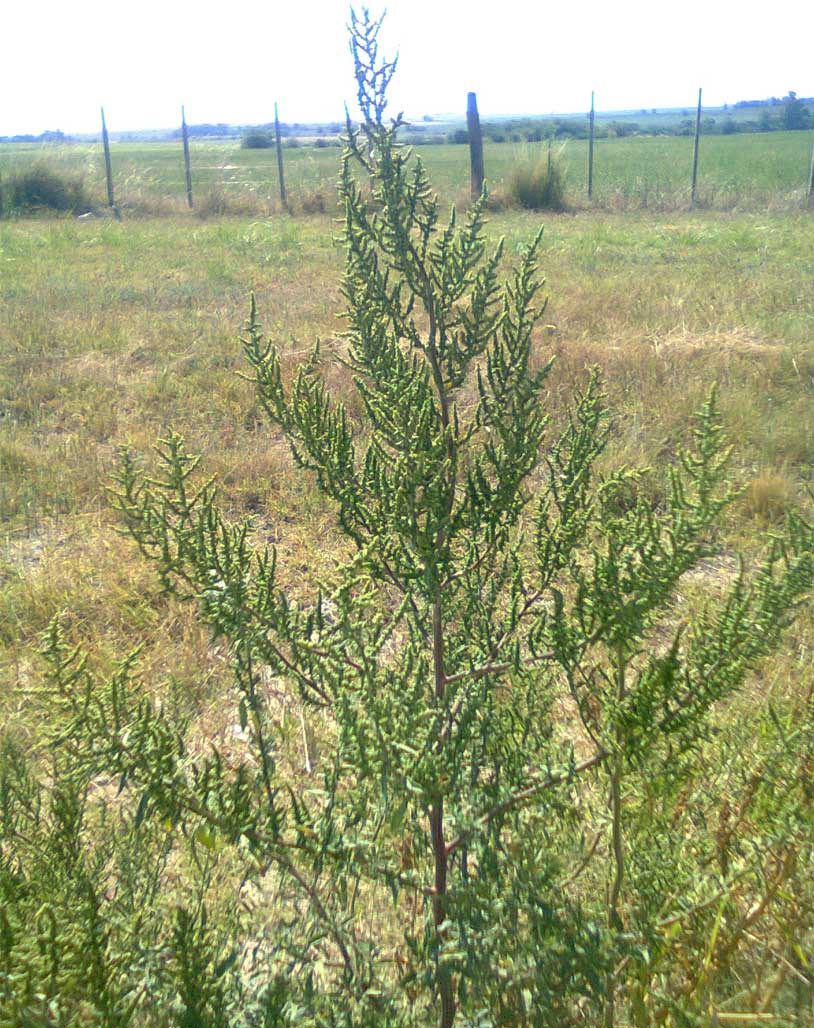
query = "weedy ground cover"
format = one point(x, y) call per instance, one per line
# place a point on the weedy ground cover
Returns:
point(111, 333)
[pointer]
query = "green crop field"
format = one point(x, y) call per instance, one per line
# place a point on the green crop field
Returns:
point(742, 172)
point(113, 332)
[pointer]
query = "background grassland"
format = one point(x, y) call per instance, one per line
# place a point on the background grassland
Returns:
point(741, 172)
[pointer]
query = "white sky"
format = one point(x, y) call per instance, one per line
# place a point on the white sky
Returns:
point(59, 61)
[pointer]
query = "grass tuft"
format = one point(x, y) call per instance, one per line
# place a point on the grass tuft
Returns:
point(538, 183)
point(219, 202)
point(769, 496)
point(42, 186)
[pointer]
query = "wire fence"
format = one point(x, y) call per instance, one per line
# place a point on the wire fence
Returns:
point(743, 170)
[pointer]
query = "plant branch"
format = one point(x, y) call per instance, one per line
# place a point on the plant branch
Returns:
point(522, 797)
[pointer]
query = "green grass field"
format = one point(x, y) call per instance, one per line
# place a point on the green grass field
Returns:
point(111, 332)
point(744, 172)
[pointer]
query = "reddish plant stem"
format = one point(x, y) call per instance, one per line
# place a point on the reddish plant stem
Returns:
point(440, 855)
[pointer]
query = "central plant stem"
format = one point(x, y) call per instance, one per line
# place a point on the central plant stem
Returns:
point(440, 855)
point(617, 840)
point(439, 849)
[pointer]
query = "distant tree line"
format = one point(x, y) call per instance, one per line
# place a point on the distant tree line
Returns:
point(261, 137)
point(788, 113)
point(44, 137)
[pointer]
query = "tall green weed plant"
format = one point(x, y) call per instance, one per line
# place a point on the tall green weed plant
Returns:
point(499, 809)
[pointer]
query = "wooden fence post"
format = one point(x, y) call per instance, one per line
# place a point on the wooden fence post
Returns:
point(187, 168)
point(695, 149)
point(279, 144)
point(108, 167)
point(591, 149)
point(475, 144)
